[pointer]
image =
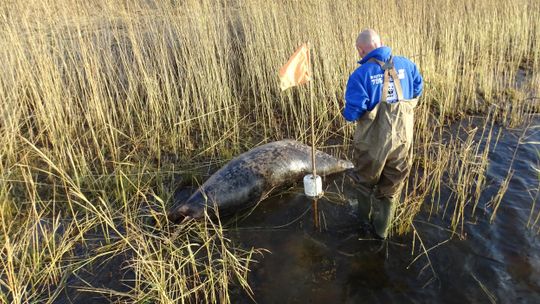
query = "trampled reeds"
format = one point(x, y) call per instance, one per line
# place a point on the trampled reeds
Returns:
point(103, 102)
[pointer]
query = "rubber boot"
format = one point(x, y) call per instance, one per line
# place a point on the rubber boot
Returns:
point(382, 215)
point(358, 198)
point(363, 207)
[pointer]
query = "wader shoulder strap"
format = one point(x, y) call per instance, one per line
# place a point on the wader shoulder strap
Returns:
point(389, 70)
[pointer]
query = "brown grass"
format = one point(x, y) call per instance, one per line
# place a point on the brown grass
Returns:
point(103, 103)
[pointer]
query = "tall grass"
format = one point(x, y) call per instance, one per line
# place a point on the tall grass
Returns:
point(103, 102)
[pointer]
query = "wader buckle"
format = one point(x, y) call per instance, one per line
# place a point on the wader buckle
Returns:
point(388, 65)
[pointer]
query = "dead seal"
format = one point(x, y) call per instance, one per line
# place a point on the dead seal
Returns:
point(249, 176)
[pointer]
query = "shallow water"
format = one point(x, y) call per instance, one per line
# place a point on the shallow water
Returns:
point(341, 263)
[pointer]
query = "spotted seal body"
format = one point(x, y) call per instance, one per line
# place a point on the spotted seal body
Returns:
point(252, 174)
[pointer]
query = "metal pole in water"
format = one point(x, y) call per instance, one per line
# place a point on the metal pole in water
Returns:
point(316, 212)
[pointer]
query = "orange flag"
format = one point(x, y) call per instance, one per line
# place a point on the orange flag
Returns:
point(297, 70)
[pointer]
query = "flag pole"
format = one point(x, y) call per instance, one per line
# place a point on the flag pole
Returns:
point(298, 70)
point(314, 170)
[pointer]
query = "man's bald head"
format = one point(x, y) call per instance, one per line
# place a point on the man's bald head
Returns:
point(367, 41)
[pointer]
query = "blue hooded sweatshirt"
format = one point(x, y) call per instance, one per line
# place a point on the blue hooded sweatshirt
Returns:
point(364, 87)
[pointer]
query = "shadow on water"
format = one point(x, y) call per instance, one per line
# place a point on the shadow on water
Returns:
point(338, 263)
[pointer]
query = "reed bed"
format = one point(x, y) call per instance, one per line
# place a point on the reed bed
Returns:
point(104, 103)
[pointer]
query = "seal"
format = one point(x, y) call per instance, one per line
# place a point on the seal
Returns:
point(249, 176)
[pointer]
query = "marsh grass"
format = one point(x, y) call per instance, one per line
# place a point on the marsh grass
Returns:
point(533, 220)
point(104, 103)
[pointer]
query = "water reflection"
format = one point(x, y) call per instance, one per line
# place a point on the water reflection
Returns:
point(498, 262)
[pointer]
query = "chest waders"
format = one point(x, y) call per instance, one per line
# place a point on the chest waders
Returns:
point(383, 142)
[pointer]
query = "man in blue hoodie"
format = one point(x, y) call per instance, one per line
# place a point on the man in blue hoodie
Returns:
point(381, 95)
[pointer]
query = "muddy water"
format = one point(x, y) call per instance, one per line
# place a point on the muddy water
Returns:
point(341, 263)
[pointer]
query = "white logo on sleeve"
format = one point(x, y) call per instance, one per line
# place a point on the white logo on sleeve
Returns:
point(401, 73)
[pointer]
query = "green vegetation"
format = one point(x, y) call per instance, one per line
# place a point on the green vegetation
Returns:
point(103, 103)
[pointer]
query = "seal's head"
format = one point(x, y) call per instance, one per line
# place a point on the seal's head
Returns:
point(185, 212)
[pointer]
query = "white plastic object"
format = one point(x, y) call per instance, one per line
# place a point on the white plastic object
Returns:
point(313, 186)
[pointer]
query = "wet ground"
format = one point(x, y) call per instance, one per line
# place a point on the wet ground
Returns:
point(341, 263)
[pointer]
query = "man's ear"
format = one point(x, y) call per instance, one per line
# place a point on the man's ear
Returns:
point(360, 51)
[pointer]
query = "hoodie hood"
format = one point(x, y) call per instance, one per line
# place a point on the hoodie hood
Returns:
point(382, 53)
